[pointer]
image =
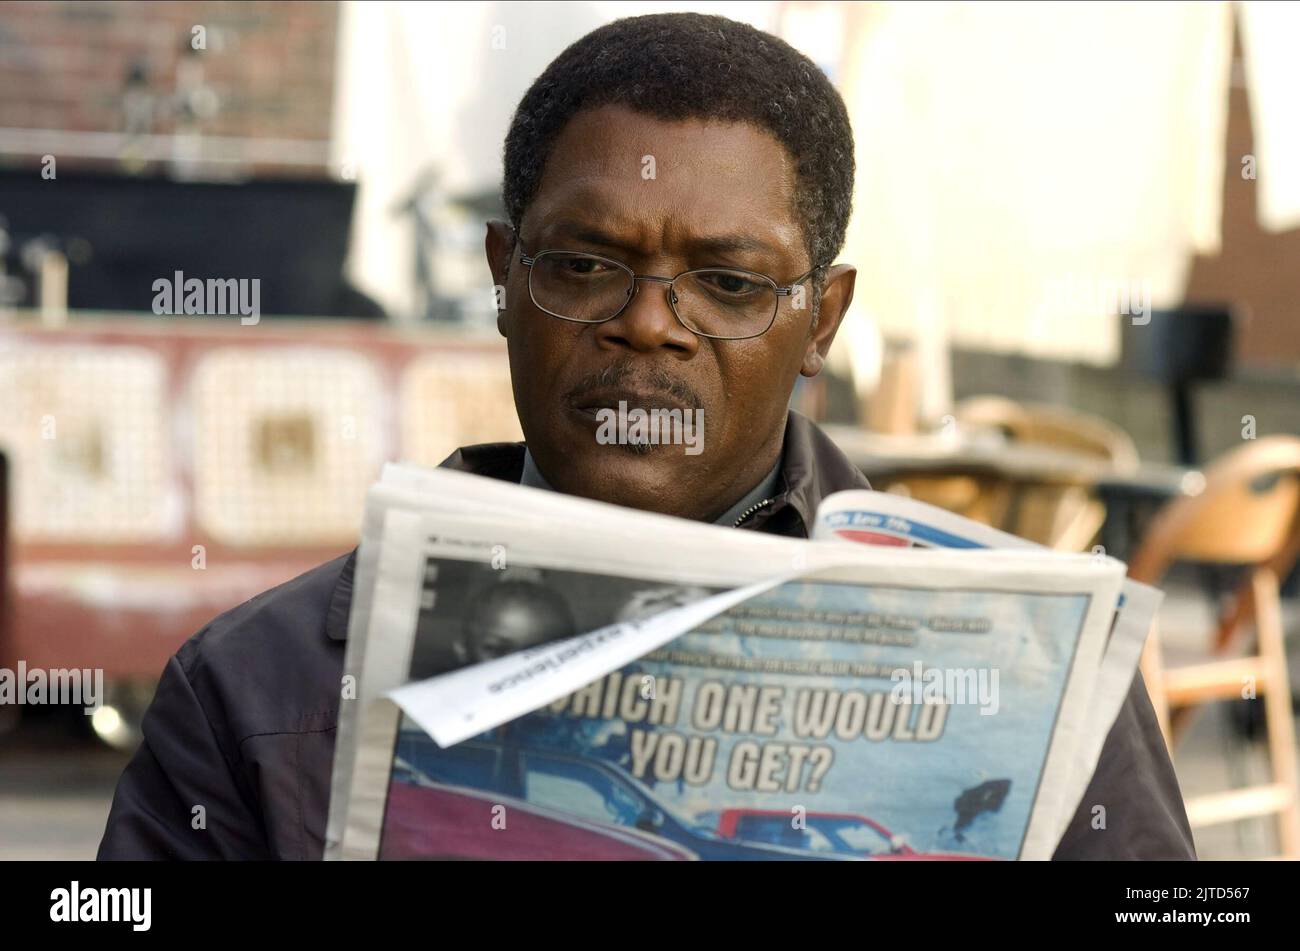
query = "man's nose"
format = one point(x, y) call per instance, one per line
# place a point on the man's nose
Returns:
point(647, 323)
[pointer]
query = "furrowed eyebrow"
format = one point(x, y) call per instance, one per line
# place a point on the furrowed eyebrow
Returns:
point(733, 244)
point(720, 244)
point(585, 234)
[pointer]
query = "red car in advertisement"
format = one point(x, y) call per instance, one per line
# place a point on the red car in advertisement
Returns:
point(843, 833)
point(433, 821)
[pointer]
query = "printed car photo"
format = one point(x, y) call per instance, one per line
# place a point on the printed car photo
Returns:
point(567, 799)
point(425, 820)
point(841, 833)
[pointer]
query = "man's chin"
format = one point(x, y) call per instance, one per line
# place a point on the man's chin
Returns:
point(652, 478)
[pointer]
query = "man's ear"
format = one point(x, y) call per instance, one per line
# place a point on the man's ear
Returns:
point(837, 294)
point(499, 243)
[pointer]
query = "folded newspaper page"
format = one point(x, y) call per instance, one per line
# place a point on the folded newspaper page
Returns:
point(535, 676)
point(877, 518)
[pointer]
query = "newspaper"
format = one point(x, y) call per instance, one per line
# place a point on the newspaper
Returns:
point(538, 676)
point(877, 518)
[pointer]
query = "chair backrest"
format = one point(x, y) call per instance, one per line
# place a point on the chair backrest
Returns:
point(1248, 513)
point(1063, 517)
point(983, 498)
point(1055, 426)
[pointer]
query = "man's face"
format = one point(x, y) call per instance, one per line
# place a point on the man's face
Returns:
point(721, 195)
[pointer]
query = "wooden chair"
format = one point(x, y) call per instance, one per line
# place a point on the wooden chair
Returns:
point(1064, 517)
point(980, 498)
point(1249, 515)
point(1050, 425)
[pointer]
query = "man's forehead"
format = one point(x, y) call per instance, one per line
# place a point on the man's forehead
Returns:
point(615, 171)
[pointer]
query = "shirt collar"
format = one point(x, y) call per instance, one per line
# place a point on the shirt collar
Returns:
point(765, 489)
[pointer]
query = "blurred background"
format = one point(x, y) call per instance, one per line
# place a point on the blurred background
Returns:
point(1077, 230)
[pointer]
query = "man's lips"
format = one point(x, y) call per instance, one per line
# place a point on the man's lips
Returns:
point(590, 402)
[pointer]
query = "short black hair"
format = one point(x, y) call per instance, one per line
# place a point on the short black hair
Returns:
point(690, 66)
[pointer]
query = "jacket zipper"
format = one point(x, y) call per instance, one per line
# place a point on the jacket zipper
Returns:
point(751, 510)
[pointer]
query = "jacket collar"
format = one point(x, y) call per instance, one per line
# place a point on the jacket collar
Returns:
point(812, 468)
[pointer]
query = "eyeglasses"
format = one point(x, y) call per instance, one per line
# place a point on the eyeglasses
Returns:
point(721, 303)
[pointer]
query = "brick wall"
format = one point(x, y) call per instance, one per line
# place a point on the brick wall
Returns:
point(269, 65)
point(1256, 269)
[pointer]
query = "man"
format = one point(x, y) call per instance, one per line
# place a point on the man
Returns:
point(678, 187)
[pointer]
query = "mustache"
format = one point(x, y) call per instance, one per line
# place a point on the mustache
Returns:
point(647, 380)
